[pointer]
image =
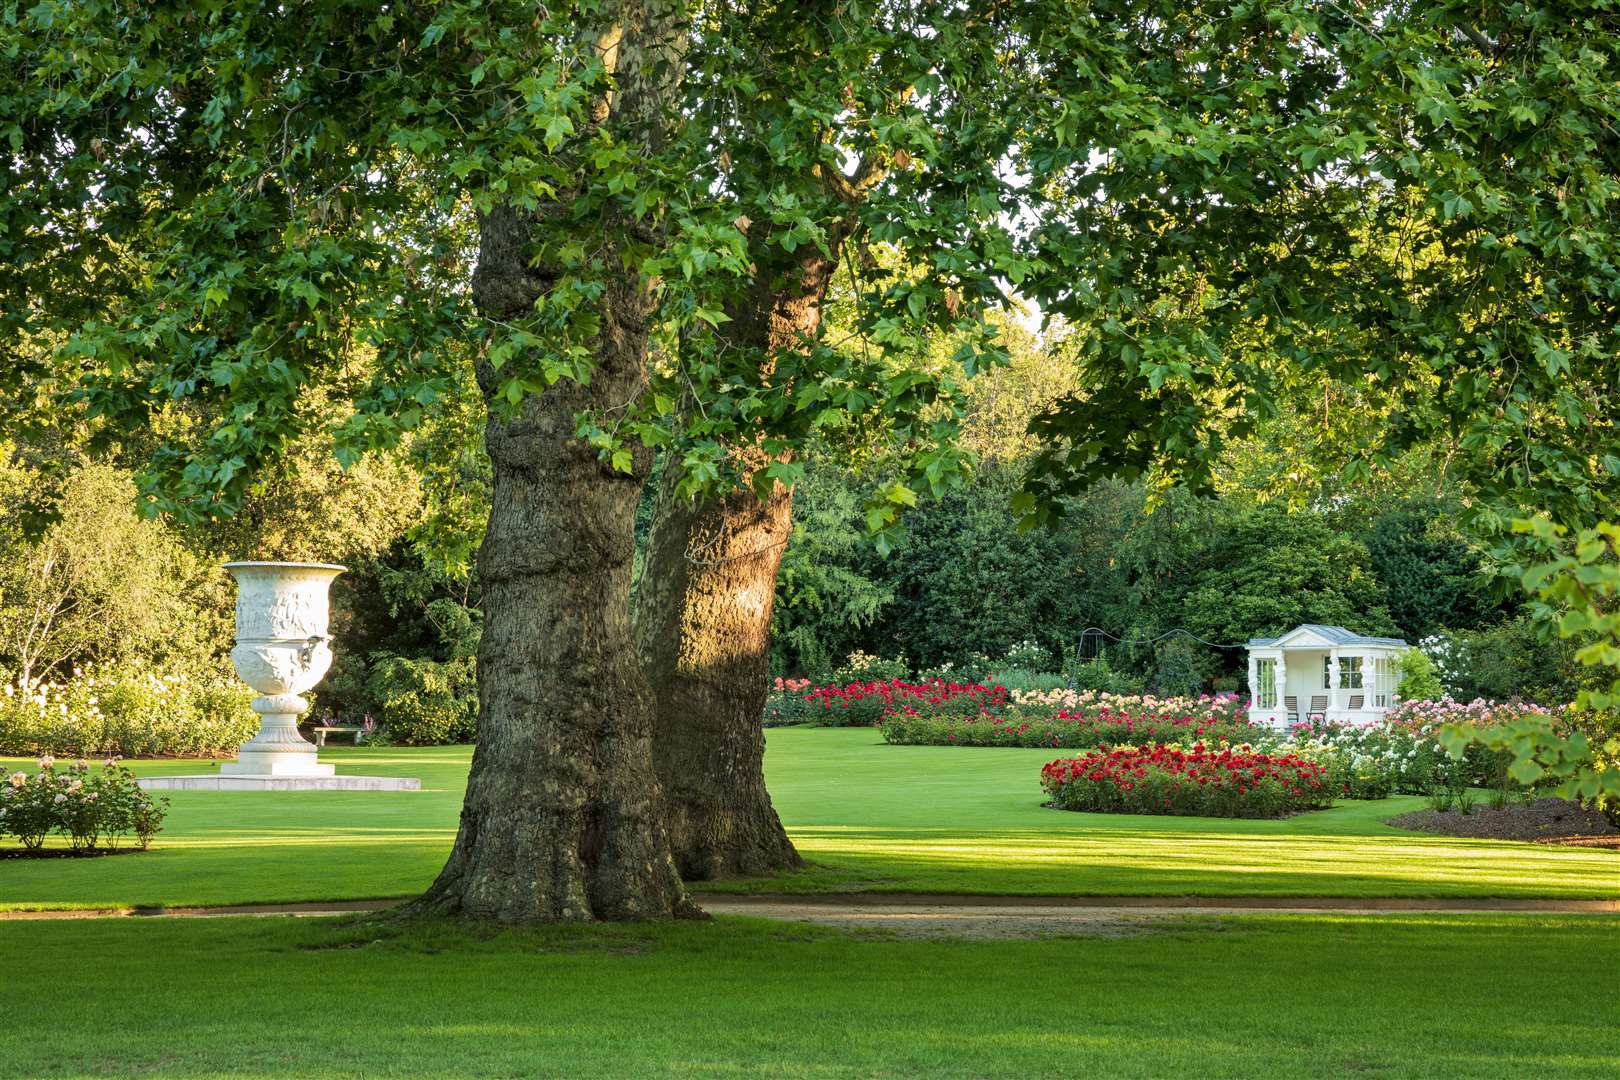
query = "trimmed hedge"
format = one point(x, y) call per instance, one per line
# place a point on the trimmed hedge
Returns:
point(1059, 731)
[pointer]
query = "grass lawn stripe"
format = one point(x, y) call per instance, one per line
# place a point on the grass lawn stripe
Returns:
point(1432, 996)
point(869, 817)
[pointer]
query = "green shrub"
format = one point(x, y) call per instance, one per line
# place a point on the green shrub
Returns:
point(128, 712)
point(1419, 680)
point(1601, 729)
point(425, 702)
point(1024, 679)
point(1097, 674)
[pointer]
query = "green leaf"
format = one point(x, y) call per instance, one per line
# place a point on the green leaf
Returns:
point(1525, 770)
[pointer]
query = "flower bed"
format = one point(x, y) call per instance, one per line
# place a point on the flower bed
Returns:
point(863, 704)
point(1218, 781)
point(1371, 761)
point(1070, 720)
point(1219, 709)
point(91, 809)
point(785, 702)
point(1400, 753)
point(127, 712)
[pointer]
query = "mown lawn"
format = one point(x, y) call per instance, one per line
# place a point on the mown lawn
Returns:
point(1260, 996)
point(867, 816)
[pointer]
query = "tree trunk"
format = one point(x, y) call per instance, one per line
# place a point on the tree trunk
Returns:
point(563, 819)
point(703, 621)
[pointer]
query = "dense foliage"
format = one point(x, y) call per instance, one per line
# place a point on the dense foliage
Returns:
point(1443, 162)
point(1580, 757)
point(1404, 215)
point(966, 586)
point(92, 581)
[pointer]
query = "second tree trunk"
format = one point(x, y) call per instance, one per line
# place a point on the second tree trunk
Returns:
point(703, 618)
point(703, 628)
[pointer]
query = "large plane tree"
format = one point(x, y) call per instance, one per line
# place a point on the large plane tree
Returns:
point(625, 217)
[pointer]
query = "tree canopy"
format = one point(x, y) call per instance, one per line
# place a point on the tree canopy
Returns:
point(231, 230)
point(1403, 213)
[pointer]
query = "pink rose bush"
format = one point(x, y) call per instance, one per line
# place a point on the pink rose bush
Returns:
point(1070, 719)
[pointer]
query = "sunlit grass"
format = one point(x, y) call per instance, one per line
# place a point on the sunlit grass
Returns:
point(867, 816)
point(1261, 996)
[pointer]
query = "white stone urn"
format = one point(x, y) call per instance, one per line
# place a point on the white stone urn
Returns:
point(282, 649)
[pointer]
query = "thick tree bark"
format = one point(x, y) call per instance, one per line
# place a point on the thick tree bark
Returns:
point(703, 620)
point(563, 819)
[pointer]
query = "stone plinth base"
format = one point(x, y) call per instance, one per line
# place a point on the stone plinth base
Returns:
point(238, 782)
point(299, 763)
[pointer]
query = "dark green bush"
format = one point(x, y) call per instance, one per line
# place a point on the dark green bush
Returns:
point(424, 702)
point(1097, 674)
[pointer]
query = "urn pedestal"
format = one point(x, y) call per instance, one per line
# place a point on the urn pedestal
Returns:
point(282, 649)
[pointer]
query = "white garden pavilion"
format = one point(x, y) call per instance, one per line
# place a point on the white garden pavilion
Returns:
point(1327, 672)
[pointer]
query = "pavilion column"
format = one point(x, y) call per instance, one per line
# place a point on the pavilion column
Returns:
point(1254, 682)
point(1333, 680)
point(1282, 683)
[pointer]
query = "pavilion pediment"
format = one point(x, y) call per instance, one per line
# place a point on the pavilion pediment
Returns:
point(1302, 637)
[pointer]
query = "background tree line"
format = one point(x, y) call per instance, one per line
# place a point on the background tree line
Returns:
point(84, 578)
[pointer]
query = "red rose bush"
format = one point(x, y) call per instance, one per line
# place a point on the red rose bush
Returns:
point(1202, 780)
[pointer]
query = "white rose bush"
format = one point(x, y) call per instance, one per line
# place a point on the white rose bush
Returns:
point(93, 809)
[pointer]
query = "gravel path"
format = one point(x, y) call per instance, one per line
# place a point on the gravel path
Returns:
point(924, 915)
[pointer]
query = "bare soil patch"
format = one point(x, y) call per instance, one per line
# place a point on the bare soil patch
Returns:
point(64, 853)
point(1549, 820)
point(1612, 840)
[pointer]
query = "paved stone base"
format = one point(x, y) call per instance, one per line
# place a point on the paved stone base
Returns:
point(256, 764)
point(220, 782)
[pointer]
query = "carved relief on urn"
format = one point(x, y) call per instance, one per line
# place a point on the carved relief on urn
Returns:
point(282, 649)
